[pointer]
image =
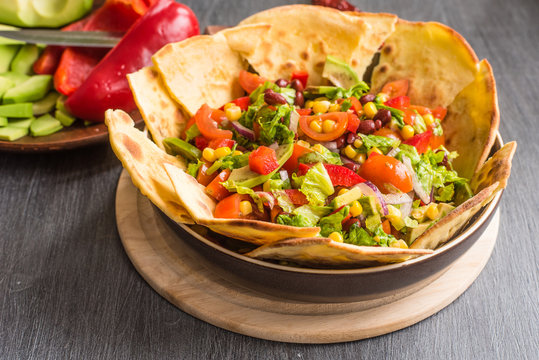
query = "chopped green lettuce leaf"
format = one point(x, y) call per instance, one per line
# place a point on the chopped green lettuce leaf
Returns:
point(333, 222)
point(192, 168)
point(359, 236)
point(383, 143)
point(324, 155)
point(316, 185)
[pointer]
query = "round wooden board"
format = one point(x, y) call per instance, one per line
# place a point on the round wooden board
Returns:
point(172, 269)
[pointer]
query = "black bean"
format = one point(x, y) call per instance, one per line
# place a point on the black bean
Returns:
point(297, 85)
point(351, 138)
point(273, 98)
point(281, 83)
point(366, 98)
point(383, 115)
point(366, 127)
point(299, 100)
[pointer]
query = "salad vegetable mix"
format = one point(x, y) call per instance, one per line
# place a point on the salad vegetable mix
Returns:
point(368, 169)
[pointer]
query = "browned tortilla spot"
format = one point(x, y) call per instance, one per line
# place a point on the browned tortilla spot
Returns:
point(132, 147)
point(384, 68)
point(387, 49)
point(354, 62)
point(304, 55)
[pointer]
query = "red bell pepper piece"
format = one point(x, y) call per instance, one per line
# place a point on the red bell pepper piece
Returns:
point(296, 197)
point(201, 142)
point(400, 102)
point(106, 87)
point(263, 160)
point(356, 104)
point(218, 143)
point(302, 76)
point(342, 176)
point(303, 168)
point(420, 141)
point(353, 122)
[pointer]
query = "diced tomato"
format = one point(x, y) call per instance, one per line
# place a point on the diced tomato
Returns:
point(218, 143)
point(396, 88)
point(292, 163)
point(409, 117)
point(420, 141)
point(218, 115)
point(201, 142)
point(302, 76)
point(341, 123)
point(342, 176)
point(439, 112)
point(297, 197)
point(437, 141)
point(207, 126)
point(249, 81)
point(383, 169)
point(204, 178)
point(242, 102)
point(303, 112)
point(388, 133)
point(215, 189)
point(422, 110)
point(399, 102)
point(353, 122)
point(263, 160)
point(229, 207)
point(356, 104)
point(386, 226)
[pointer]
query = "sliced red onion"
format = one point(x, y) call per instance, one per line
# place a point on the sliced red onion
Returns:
point(267, 197)
point(283, 174)
point(370, 189)
point(294, 120)
point(405, 200)
point(274, 146)
point(352, 165)
point(330, 145)
point(393, 152)
point(418, 188)
point(243, 131)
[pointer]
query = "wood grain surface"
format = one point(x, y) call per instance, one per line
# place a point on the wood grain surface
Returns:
point(68, 290)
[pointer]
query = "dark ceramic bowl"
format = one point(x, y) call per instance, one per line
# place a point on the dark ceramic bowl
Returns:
point(387, 282)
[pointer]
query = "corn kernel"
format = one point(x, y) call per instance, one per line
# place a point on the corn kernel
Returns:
point(417, 214)
point(229, 105)
point(246, 208)
point(334, 108)
point(342, 191)
point(429, 119)
point(208, 154)
point(358, 143)
point(315, 126)
point(266, 186)
point(237, 152)
point(377, 239)
point(374, 150)
point(360, 158)
point(233, 113)
point(335, 236)
point(328, 126)
point(350, 152)
point(432, 211)
point(407, 132)
point(401, 244)
point(382, 97)
point(318, 148)
point(309, 104)
point(222, 151)
point(393, 211)
point(355, 208)
point(370, 109)
point(321, 106)
point(303, 143)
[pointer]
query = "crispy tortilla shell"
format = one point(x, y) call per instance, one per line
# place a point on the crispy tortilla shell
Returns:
point(436, 60)
point(144, 161)
point(496, 169)
point(323, 252)
point(472, 121)
point(160, 112)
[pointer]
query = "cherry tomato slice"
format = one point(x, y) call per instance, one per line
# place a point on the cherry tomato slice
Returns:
point(249, 81)
point(341, 123)
point(383, 169)
point(396, 88)
point(304, 111)
point(229, 207)
point(399, 102)
point(208, 126)
point(215, 189)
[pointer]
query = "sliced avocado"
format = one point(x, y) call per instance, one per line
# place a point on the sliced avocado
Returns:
point(7, 53)
point(414, 233)
point(25, 58)
point(21, 123)
point(244, 176)
point(45, 125)
point(11, 133)
point(346, 198)
point(5, 85)
point(3, 121)
point(35, 88)
point(43, 13)
point(319, 90)
point(45, 105)
point(64, 118)
point(15, 77)
point(339, 73)
point(21, 110)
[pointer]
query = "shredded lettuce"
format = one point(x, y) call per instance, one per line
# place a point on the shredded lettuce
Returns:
point(383, 143)
point(384, 239)
point(293, 220)
point(335, 92)
point(316, 185)
point(333, 222)
point(272, 129)
point(359, 236)
point(324, 155)
point(192, 133)
point(192, 168)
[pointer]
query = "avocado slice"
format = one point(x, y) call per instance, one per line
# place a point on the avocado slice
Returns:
point(35, 88)
point(339, 73)
point(3, 121)
point(45, 125)
point(64, 118)
point(43, 13)
point(45, 105)
point(346, 198)
point(244, 176)
point(414, 233)
point(7, 53)
point(5, 85)
point(11, 133)
point(25, 58)
point(21, 110)
point(15, 77)
point(21, 123)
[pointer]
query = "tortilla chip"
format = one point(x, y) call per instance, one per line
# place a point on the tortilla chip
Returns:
point(144, 161)
point(472, 122)
point(161, 114)
point(300, 38)
point(323, 252)
point(200, 70)
point(436, 60)
point(200, 206)
point(496, 169)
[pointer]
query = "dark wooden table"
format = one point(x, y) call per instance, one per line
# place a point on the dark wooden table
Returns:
point(67, 289)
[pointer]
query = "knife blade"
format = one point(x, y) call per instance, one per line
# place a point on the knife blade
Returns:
point(100, 39)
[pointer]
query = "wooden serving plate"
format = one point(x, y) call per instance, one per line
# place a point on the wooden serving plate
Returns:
point(177, 274)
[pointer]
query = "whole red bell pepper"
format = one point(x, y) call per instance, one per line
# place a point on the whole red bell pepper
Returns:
point(107, 87)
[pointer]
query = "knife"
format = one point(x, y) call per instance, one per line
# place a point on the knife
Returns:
point(100, 39)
